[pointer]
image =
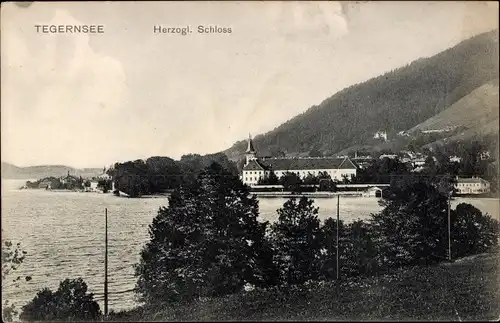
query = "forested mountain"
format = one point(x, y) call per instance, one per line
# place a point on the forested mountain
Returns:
point(396, 101)
point(10, 171)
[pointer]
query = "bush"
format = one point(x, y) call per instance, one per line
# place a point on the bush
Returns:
point(69, 302)
point(329, 248)
point(472, 232)
point(412, 227)
point(359, 250)
point(297, 241)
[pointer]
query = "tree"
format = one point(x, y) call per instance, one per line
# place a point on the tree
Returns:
point(310, 179)
point(325, 182)
point(412, 227)
point(290, 181)
point(472, 232)
point(380, 171)
point(12, 258)
point(297, 240)
point(329, 250)
point(208, 242)
point(430, 165)
point(70, 302)
point(272, 179)
point(359, 255)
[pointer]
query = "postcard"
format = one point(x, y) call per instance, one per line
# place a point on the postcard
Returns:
point(250, 160)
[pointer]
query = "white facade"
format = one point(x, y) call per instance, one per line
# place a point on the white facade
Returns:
point(251, 177)
point(474, 185)
point(255, 169)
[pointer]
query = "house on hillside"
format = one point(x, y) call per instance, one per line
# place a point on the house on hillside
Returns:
point(259, 168)
point(472, 185)
point(380, 135)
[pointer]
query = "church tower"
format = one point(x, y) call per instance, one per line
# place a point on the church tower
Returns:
point(250, 153)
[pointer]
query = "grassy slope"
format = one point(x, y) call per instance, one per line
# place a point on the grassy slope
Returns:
point(468, 289)
point(474, 110)
point(474, 115)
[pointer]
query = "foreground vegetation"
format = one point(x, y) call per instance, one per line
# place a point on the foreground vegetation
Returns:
point(468, 289)
point(208, 247)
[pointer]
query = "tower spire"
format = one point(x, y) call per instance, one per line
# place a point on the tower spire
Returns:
point(250, 148)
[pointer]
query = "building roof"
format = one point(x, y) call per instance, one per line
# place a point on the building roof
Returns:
point(472, 180)
point(254, 164)
point(306, 163)
point(347, 164)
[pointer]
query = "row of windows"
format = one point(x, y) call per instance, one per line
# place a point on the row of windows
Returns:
point(303, 172)
point(469, 184)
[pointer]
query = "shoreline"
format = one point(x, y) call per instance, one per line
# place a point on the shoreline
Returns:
point(263, 194)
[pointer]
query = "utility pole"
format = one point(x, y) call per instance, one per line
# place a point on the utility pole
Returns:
point(106, 264)
point(338, 255)
point(449, 226)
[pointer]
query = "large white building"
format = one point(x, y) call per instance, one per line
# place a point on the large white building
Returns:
point(256, 168)
point(473, 185)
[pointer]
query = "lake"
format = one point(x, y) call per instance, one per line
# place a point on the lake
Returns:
point(63, 233)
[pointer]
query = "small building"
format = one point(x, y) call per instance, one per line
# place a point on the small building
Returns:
point(455, 159)
point(373, 192)
point(418, 162)
point(390, 156)
point(472, 185)
point(46, 183)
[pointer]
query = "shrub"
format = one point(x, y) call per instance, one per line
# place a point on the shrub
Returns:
point(297, 239)
point(471, 231)
point(329, 248)
point(12, 258)
point(70, 302)
point(412, 227)
point(359, 250)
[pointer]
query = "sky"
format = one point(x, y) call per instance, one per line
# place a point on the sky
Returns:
point(92, 100)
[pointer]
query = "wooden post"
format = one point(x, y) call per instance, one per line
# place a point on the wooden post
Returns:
point(338, 255)
point(106, 264)
point(449, 227)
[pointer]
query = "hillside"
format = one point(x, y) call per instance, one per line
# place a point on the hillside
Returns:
point(10, 171)
point(396, 101)
point(472, 111)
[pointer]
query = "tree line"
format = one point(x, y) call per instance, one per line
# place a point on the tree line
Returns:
point(160, 174)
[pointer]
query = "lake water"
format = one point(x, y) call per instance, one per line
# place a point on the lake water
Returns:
point(63, 233)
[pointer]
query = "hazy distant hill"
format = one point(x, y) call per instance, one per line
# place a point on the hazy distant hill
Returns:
point(10, 171)
point(396, 101)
